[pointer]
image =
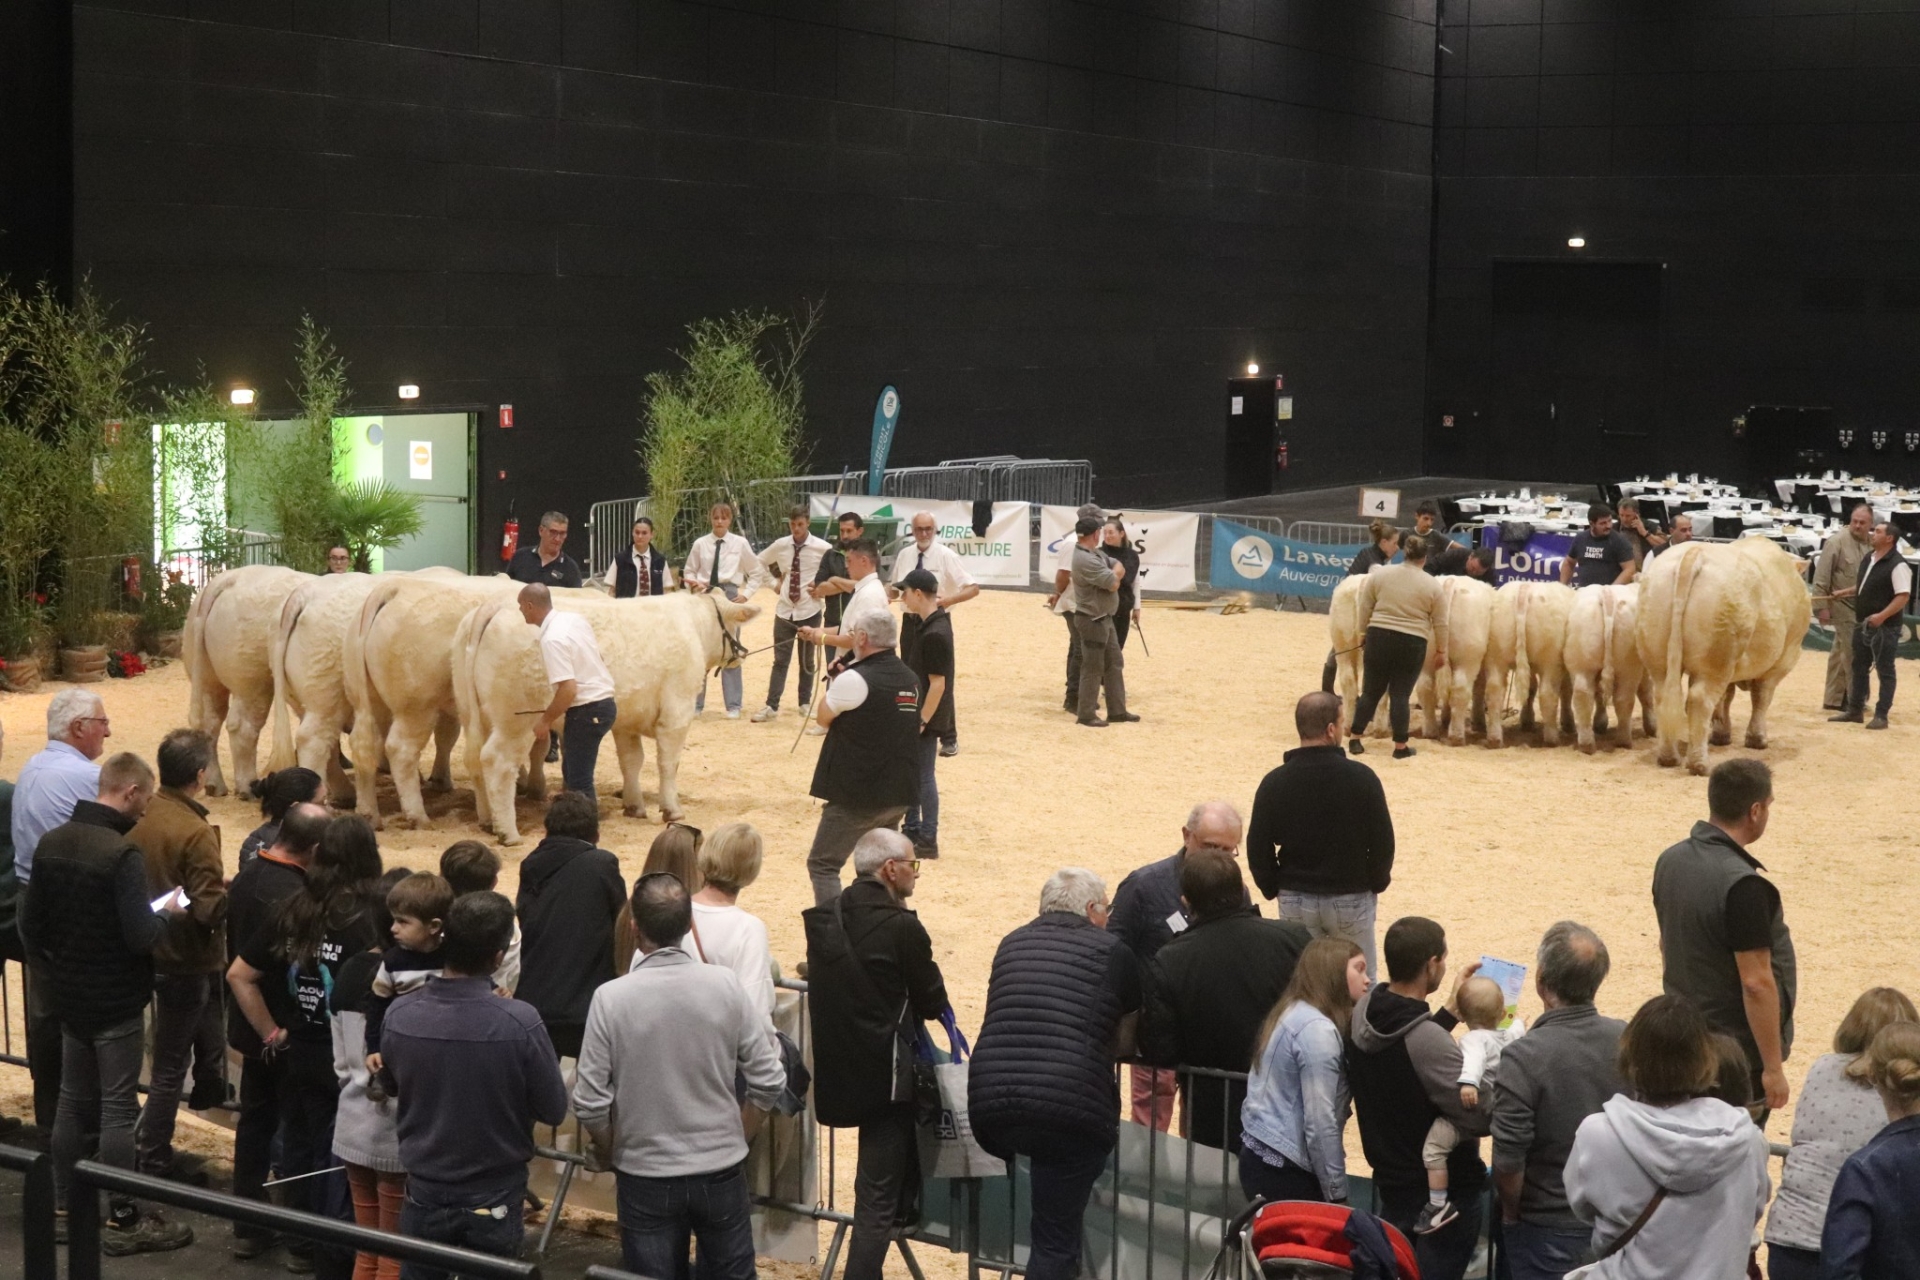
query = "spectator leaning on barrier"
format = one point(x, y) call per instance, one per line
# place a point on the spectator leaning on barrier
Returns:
point(475, 1074)
point(1404, 1069)
point(1210, 988)
point(872, 981)
point(571, 892)
point(1321, 839)
point(1062, 1002)
point(655, 1094)
point(89, 933)
point(182, 851)
point(1673, 1180)
point(1551, 1079)
point(1292, 1145)
point(1871, 1228)
point(1837, 1114)
point(1724, 942)
point(1148, 911)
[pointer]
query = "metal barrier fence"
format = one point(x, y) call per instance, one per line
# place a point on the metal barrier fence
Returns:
point(37, 1246)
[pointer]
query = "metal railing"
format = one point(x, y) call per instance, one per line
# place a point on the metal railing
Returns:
point(37, 1247)
point(84, 1226)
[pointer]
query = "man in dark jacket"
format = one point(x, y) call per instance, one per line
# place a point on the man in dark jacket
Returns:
point(872, 980)
point(1404, 1069)
point(869, 768)
point(1146, 910)
point(1321, 839)
point(1210, 988)
point(1061, 1004)
point(90, 932)
point(182, 851)
point(571, 893)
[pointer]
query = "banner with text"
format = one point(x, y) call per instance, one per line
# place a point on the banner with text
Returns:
point(1535, 560)
point(1250, 560)
point(1164, 539)
point(998, 559)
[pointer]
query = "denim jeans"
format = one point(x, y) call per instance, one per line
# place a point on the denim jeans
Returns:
point(187, 1028)
point(1274, 1182)
point(784, 639)
point(1535, 1252)
point(1334, 915)
point(922, 824)
point(1065, 1166)
point(1874, 647)
point(495, 1228)
point(98, 1072)
point(1442, 1254)
point(658, 1214)
point(585, 725)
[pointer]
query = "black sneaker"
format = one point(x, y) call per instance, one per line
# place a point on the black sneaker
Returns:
point(553, 752)
point(949, 748)
point(1125, 717)
point(1847, 717)
point(1403, 753)
point(1878, 722)
point(1355, 747)
point(149, 1233)
point(1433, 1217)
point(1093, 722)
point(252, 1246)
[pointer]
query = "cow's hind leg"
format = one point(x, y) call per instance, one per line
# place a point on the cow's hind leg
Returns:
point(632, 748)
point(406, 743)
point(1763, 690)
point(246, 717)
point(667, 746)
point(1583, 701)
point(1723, 719)
point(1702, 699)
point(212, 703)
point(445, 731)
point(499, 763)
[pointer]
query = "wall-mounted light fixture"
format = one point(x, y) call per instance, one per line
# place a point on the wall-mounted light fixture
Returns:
point(1576, 242)
point(1253, 368)
point(240, 395)
point(409, 392)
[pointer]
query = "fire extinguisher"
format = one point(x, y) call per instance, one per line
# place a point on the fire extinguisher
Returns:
point(510, 535)
point(1280, 458)
point(130, 577)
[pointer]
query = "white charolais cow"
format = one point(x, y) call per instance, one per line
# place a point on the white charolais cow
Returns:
point(397, 667)
point(229, 632)
point(1603, 664)
point(1348, 640)
point(1447, 689)
point(1525, 656)
point(1715, 617)
point(658, 650)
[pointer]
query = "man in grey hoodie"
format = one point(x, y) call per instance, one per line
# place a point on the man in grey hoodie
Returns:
point(1404, 1069)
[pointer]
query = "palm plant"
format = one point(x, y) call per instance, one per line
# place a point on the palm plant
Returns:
point(369, 515)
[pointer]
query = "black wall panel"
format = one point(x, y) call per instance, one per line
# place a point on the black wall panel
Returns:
point(1056, 225)
point(1760, 151)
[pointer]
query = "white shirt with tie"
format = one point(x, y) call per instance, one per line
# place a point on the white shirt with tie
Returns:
point(794, 603)
point(640, 566)
point(869, 595)
point(724, 561)
point(940, 560)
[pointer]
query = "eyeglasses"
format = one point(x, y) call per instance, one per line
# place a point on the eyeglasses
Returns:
point(913, 863)
point(92, 720)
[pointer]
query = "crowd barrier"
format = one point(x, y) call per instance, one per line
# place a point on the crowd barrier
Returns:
point(37, 1246)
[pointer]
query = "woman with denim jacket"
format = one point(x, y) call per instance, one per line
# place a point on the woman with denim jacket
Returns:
point(1297, 1100)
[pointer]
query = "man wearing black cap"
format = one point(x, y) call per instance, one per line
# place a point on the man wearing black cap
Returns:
point(1096, 586)
point(931, 656)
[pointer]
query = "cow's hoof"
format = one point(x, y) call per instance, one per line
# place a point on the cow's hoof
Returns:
point(673, 815)
point(506, 841)
point(1494, 744)
point(216, 789)
point(1697, 768)
point(633, 811)
point(435, 786)
point(407, 822)
point(1757, 742)
point(1719, 739)
point(1586, 748)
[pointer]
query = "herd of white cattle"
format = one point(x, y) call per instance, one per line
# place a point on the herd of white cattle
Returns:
point(401, 659)
point(1702, 620)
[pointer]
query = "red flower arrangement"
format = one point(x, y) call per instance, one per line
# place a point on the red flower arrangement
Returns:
point(125, 666)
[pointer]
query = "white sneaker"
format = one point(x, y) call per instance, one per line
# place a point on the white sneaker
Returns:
point(816, 731)
point(764, 714)
point(806, 711)
point(733, 715)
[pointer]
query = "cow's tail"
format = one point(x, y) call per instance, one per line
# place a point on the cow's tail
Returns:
point(283, 748)
point(194, 646)
point(1673, 699)
point(1522, 663)
point(1604, 693)
point(354, 673)
point(466, 668)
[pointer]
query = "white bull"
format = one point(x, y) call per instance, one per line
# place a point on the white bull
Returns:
point(1526, 641)
point(1348, 640)
point(1446, 689)
point(1603, 664)
point(658, 650)
point(1715, 617)
point(229, 632)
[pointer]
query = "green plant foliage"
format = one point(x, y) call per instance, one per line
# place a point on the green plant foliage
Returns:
point(370, 515)
point(291, 468)
point(726, 423)
point(200, 436)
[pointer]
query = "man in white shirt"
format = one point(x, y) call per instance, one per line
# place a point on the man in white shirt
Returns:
point(956, 586)
point(1062, 603)
point(791, 565)
point(582, 685)
point(869, 596)
point(723, 561)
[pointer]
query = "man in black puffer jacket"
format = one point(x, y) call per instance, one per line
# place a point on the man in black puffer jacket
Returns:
point(871, 982)
point(89, 932)
point(1062, 1002)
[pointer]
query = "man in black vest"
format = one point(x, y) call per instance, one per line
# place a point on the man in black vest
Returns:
point(874, 981)
point(1062, 1002)
point(1724, 942)
point(90, 932)
point(642, 571)
point(869, 769)
point(1885, 586)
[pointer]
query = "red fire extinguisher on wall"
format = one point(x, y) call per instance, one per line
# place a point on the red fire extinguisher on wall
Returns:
point(1280, 456)
point(509, 535)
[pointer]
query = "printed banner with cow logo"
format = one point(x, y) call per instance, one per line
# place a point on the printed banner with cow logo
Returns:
point(1164, 539)
point(1250, 560)
point(1001, 558)
point(1535, 560)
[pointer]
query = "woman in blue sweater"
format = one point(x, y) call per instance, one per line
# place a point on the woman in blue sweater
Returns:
point(1872, 1229)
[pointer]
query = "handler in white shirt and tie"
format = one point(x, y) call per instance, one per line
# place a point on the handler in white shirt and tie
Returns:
point(956, 586)
point(582, 685)
point(791, 565)
point(723, 561)
point(869, 596)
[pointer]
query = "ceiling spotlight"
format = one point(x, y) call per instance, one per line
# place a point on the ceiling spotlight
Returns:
point(1576, 242)
point(1252, 368)
point(409, 392)
point(241, 395)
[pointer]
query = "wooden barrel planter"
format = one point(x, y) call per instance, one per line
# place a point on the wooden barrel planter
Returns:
point(168, 644)
point(22, 674)
point(86, 665)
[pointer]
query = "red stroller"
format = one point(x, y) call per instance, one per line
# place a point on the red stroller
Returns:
point(1307, 1240)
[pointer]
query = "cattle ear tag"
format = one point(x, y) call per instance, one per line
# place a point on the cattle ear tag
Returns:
point(1177, 922)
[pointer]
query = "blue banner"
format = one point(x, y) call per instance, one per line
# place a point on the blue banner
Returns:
point(886, 416)
point(1536, 560)
point(1250, 560)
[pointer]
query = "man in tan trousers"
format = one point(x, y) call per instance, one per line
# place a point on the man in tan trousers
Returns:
point(1835, 576)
